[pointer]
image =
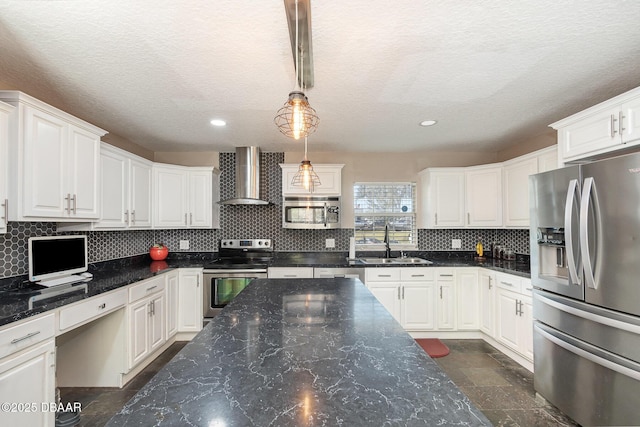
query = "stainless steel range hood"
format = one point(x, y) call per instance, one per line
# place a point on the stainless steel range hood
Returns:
point(247, 178)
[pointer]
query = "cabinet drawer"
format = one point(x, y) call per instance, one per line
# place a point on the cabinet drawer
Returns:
point(91, 309)
point(15, 338)
point(290, 272)
point(525, 286)
point(382, 274)
point(417, 274)
point(147, 287)
point(445, 274)
point(509, 282)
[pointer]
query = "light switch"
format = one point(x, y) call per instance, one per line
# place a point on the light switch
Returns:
point(330, 243)
point(184, 244)
point(456, 243)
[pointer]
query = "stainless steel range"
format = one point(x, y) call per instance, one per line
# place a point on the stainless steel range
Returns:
point(239, 262)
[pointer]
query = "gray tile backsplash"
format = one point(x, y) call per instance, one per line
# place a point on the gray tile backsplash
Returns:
point(235, 222)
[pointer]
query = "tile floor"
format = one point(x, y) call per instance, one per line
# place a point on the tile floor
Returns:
point(498, 386)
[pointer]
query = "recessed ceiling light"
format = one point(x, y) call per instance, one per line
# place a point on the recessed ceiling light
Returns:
point(428, 123)
point(218, 122)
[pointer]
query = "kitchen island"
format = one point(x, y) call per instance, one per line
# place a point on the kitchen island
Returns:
point(305, 352)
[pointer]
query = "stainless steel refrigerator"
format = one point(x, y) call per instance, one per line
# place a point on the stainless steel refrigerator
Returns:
point(585, 269)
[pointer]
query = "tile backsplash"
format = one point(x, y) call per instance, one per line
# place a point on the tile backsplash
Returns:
point(235, 222)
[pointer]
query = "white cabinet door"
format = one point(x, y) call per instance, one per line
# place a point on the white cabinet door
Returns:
point(172, 303)
point(630, 121)
point(507, 325)
point(29, 377)
point(467, 297)
point(388, 295)
point(516, 191)
point(84, 173)
point(526, 325)
point(5, 110)
point(548, 159)
point(484, 196)
point(45, 165)
point(330, 180)
point(157, 322)
point(115, 190)
point(445, 299)
point(590, 135)
point(171, 186)
point(139, 314)
point(486, 279)
point(417, 306)
point(200, 194)
point(140, 194)
point(190, 300)
point(443, 198)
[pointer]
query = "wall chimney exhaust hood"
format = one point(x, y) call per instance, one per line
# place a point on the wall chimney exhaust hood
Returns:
point(247, 178)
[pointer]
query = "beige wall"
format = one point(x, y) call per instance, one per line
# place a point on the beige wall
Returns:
point(203, 158)
point(541, 141)
point(127, 145)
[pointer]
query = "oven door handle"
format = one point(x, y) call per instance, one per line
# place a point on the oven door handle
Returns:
point(227, 273)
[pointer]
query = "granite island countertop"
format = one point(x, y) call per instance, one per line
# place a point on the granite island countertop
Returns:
point(305, 352)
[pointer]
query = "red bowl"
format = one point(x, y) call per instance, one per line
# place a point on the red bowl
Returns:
point(158, 254)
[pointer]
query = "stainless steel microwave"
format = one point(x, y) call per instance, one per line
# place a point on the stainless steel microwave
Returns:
point(311, 212)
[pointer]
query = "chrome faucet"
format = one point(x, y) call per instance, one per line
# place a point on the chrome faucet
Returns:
point(387, 249)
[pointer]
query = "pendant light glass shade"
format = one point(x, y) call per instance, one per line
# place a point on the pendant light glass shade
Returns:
point(296, 118)
point(306, 177)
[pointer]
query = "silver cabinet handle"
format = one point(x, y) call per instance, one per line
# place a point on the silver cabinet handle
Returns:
point(417, 275)
point(490, 285)
point(68, 199)
point(133, 216)
point(436, 222)
point(197, 281)
point(506, 283)
point(26, 337)
point(191, 218)
point(384, 275)
point(398, 292)
point(126, 216)
point(151, 287)
point(290, 275)
point(403, 292)
point(440, 292)
point(6, 211)
point(102, 306)
point(621, 122)
point(446, 275)
point(468, 218)
point(613, 126)
point(516, 307)
point(75, 203)
point(185, 219)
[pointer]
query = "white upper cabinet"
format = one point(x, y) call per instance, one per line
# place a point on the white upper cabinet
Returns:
point(183, 196)
point(54, 162)
point(516, 191)
point(443, 197)
point(609, 126)
point(330, 180)
point(5, 110)
point(126, 190)
point(547, 159)
point(484, 196)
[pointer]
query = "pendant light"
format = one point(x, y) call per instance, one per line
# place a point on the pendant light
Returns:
point(297, 119)
point(306, 176)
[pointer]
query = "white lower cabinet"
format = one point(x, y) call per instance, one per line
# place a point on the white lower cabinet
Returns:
point(407, 293)
point(468, 298)
point(147, 320)
point(514, 314)
point(445, 299)
point(27, 378)
point(487, 284)
point(190, 300)
point(290, 273)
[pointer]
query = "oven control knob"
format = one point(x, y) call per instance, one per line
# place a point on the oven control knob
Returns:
point(266, 243)
point(259, 242)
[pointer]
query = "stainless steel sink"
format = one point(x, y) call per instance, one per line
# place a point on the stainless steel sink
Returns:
point(395, 261)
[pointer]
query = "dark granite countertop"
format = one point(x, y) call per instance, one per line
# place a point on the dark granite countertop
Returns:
point(304, 352)
point(16, 292)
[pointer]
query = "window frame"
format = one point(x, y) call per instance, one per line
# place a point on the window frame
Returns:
point(414, 214)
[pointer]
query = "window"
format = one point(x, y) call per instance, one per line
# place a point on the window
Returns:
point(380, 204)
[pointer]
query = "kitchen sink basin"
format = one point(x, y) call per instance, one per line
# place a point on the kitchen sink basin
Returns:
point(397, 261)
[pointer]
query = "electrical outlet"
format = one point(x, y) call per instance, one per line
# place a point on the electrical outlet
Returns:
point(456, 243)
point(184, 244)
point(330, 243)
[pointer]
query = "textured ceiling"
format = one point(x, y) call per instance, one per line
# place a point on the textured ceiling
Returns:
point(494, 73)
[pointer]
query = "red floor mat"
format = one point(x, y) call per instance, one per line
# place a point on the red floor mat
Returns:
point(433, 346)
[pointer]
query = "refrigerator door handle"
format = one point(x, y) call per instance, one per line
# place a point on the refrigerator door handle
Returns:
point(567, 343)
point(568, 231)
point(587, 189)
